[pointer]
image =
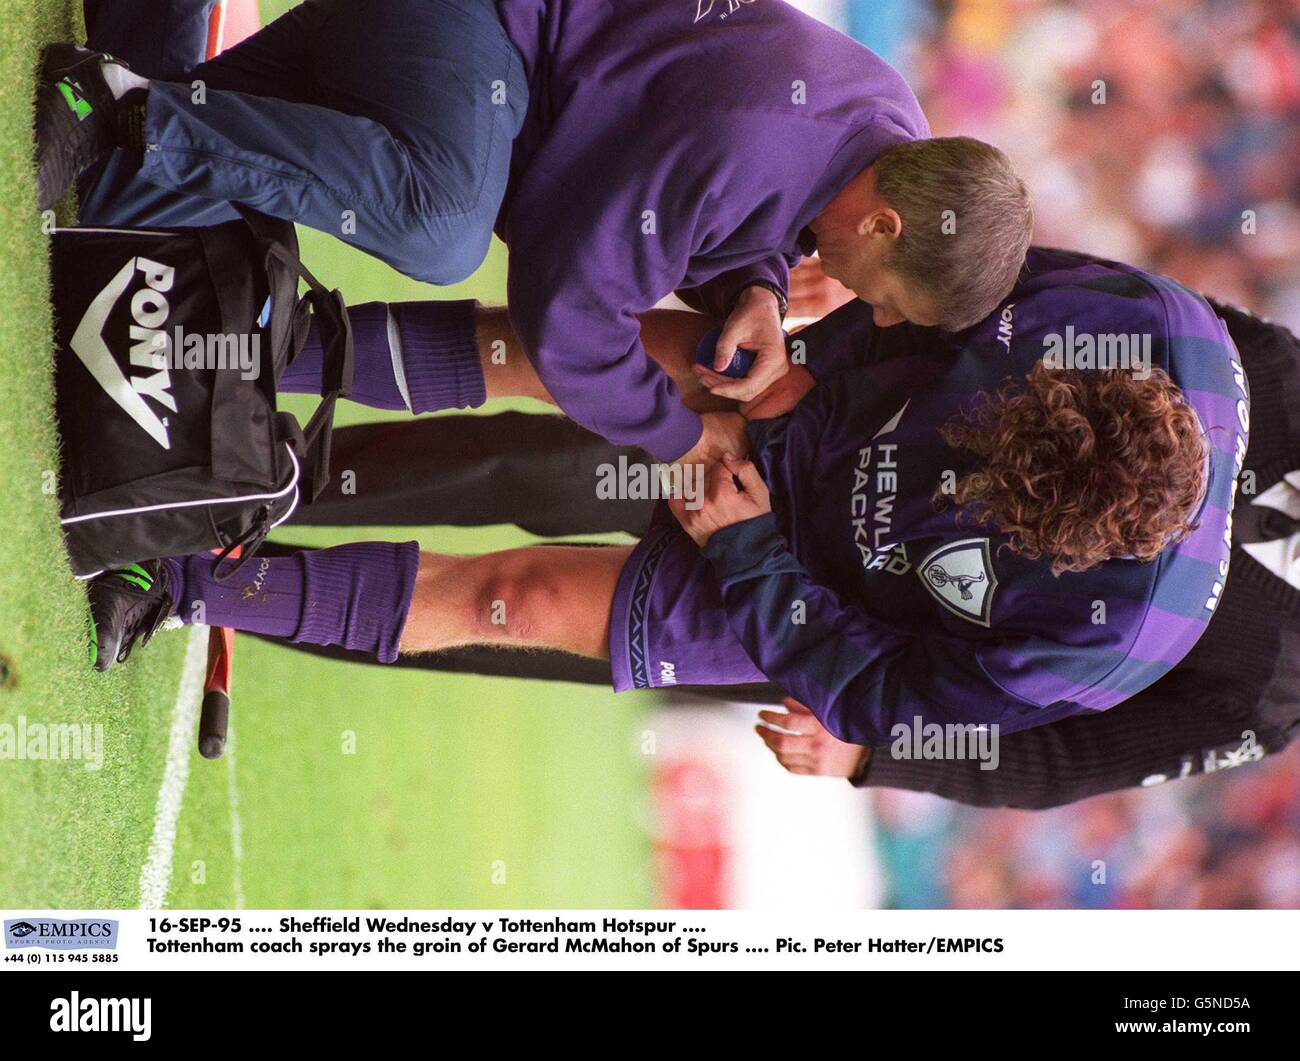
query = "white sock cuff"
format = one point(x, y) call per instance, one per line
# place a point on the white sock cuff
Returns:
point(120, 80)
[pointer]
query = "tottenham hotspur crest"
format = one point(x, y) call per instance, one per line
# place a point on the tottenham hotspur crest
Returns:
point(960, 576)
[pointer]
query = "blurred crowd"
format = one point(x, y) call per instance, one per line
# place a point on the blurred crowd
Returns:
point(1165, 133)
point(1227, 840)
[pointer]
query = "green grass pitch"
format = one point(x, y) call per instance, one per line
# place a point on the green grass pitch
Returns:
point(350, 786)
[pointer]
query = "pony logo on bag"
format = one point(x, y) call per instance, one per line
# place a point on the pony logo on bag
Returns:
point(149, 313)
point(203, 460)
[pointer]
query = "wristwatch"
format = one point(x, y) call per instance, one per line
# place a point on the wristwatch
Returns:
point(782, 302)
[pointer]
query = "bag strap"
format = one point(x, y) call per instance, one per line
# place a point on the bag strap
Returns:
point(331, 314)
point(338, 363)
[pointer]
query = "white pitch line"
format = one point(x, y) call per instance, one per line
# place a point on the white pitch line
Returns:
point(236, 823)
point(156, 874)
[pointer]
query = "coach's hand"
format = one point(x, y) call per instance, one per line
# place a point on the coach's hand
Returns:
point(722, 433)
point(755, 324)
point(806, 747)
point(733, 493)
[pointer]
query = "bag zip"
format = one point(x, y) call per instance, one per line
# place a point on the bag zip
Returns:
point(293, 486)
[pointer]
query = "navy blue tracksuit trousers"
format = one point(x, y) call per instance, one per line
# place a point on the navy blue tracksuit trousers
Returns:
point(387, 123)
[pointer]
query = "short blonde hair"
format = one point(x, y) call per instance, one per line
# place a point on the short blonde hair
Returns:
point(967, 223)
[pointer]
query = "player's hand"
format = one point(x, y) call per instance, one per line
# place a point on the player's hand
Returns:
point(782, 396)
point(755, 324)
point(733, 493)
point(813, 293)
point(723, 433)
point(805, 746)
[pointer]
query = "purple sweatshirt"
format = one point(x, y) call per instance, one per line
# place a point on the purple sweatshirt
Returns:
point(671, 145)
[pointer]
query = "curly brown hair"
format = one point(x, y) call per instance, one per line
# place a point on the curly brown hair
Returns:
point(1083, 466)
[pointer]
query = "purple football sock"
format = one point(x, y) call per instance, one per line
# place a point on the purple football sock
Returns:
point(264, 596)
point(419, 356)
point(440, 353)
point(356, 596)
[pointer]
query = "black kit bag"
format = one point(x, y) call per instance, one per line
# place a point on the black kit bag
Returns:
point(170, 345)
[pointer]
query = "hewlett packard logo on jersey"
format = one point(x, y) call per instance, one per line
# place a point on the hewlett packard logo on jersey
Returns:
point(77, 1014)
point(876, 475)
point(149, 313)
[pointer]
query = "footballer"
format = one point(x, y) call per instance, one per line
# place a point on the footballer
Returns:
point(594, 139)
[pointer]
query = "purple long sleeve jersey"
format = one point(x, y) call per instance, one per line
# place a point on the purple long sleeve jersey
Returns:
point(670, 145)
point(871, 604)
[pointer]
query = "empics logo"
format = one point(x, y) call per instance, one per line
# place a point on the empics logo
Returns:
point(77, 1014)
point(56, 933)
point(149, 313)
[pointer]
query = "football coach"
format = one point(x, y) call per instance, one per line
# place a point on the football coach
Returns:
point(622, 152)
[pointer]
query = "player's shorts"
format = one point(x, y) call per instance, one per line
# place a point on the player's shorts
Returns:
point(668, 626)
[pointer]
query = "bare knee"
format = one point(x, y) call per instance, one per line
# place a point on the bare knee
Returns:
point(520, 599)
point(540, 597)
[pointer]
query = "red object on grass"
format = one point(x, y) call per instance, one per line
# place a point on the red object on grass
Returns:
point(228, 24)
point(214, 715)
point(216, 28)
